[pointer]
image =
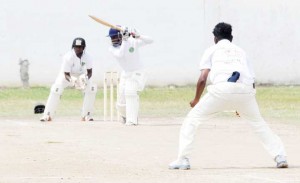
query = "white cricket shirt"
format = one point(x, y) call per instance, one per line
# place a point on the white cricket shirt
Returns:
point(223, 59)
point(75, 65)
point(128, 53)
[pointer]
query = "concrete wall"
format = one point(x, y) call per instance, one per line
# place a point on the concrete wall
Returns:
point(268, 30)
point(42, 31)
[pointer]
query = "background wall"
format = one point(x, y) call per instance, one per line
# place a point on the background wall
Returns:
point(42, 31)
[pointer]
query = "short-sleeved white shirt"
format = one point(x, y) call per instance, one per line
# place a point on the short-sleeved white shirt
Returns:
point(223, 59)
point(128, 53)
point(75, 65)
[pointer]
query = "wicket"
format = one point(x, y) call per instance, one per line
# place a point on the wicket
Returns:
point(111, 78)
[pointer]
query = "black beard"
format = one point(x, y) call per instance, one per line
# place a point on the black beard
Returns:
point(79, 55)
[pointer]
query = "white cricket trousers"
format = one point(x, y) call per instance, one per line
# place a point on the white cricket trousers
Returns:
point(228, 96)
point(57, 90)
point(128, 98)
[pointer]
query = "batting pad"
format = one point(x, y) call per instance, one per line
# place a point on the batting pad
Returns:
point(121, 109)
point(89, 99)
point(132, 101)
point(53, 99)
point(132, 108)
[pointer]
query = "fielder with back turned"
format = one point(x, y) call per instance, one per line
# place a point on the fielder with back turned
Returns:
point(125, 48)
point(232, 88)
point(76, 72)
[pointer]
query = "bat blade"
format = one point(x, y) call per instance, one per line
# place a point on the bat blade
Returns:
point(105, 23)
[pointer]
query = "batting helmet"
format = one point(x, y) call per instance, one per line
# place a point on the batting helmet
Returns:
point(115, 36)
point(113, 32)
point(39, 108)
point(78, 42)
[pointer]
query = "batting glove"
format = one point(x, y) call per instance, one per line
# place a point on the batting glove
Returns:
point(81, 82)
point(73, 81)
point(125, 33)
point(135, 33)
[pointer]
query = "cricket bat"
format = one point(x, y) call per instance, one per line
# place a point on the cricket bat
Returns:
point(105, 23)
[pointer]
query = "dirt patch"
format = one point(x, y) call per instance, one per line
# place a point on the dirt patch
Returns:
point(66, 150)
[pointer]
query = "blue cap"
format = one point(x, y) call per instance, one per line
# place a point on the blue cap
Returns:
point(113, 32)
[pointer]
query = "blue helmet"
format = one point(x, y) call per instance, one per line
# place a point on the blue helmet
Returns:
point(113, 32)
point(115, 36)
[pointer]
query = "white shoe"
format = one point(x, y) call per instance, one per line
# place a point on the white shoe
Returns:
point(46, 118)
point(130, 124)
point(281, 162)
point(87, 118)
point(182, 164)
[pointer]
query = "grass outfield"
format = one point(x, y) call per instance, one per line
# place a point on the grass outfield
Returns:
point(281, 102)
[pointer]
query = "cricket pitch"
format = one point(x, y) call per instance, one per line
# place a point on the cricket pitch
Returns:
point(67, 150)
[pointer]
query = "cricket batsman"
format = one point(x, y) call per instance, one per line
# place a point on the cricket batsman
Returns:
point(76, 71)
point(232, 88)
point(125, 48)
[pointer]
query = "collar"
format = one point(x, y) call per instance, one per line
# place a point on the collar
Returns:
point(223, 41)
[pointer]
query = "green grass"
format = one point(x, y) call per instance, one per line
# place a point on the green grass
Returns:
point(281, 102)
point(160, 102)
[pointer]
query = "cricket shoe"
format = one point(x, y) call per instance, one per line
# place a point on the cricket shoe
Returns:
point(123, 121)
point(46, 118)
point(182, 164)
point(87, 118)
point(128, 123)
point(281, 162)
